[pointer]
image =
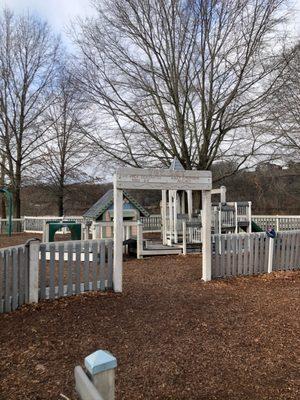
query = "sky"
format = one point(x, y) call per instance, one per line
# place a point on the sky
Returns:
point(59, 13)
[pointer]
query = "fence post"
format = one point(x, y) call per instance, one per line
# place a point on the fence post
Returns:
point(101, 369)
point(34, 248)
point(184, 237)
point(139, 242)
point(277, 223)
point(271, 253)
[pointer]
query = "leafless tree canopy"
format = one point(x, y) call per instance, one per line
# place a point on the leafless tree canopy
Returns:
point(179, 78)
point(29, 57)
point(66, 154)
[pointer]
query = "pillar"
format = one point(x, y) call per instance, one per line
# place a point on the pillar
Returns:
point(190, 203)
point(223, 194)
point(118, 239)
point(175, 217)
point(170, 217)
point(206, 235)
point(164, 215)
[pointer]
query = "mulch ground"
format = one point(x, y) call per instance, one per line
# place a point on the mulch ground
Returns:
point(174, 337)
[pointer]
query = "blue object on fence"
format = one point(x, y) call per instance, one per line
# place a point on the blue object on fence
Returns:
point(271, 232)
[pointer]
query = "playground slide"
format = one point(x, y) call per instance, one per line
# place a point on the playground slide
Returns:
point(254, 227)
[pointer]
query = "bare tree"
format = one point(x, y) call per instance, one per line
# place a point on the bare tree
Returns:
point(67, 155)
point(179, 78)
point(283, 112)
point(29, 56)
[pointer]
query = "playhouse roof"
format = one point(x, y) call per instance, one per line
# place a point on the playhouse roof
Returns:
point(176, 165)
point(107, 200)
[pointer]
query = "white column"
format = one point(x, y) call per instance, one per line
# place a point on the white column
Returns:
point(250, 216)
point(190, 203)
point(171, 226)
point(184, 237)
point(139, 241)
point(164, 215)
point(206, 235)
point(175, 217)
point(183, 202)
point(118, 239)
point(223, 194)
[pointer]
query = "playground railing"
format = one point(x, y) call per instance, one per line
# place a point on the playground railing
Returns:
point(254, 253)
point(36, 224)
point(17, 225)
point(36, 271)
point(151, 223)
point(105, 229)
point(278, 222)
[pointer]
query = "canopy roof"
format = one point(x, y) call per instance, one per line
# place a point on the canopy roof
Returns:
point(176, 165)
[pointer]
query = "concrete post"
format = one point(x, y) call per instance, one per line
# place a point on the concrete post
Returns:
point(206, 238)
point(118, 239)
point(34, 248)
point(101, 366)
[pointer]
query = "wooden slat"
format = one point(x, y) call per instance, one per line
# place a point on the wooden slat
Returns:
point(21, 264)
point(61, 264)
point(288, 251)
point(110, 264)
point(251, 255)
point(240, 255)
point(293, 251)
point(26, 273)
point(77, 267)
point(234, 256)
point(297, 251)
point(102, 249)
point(43, 272)
point(246, 254)
point(94, 265)
point(228, 255)
point(223, 270)
point(86, 266)
point(216, 269)
point(256, 254)
point(15, 283)
point(70, 270)
point(266, 253)
point(7, 279)
point(1, 282)
point(283, 251)
point(52, 272)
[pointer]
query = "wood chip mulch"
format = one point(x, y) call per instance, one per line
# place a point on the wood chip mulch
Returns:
point(174, 337)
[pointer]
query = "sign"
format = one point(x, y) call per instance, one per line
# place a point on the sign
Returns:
point(162, 179)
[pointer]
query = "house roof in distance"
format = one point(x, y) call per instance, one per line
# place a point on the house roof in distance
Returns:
point(107, 200)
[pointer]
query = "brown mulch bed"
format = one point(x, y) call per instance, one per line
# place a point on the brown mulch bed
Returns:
point(174, 336)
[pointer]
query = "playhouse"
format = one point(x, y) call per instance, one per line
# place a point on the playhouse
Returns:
point(101, 214)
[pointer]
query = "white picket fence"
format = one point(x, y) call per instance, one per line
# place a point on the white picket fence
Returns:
point(37, 271)
point(254, 253)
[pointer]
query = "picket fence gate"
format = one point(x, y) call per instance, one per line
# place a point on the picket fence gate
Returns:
point(37, 271)
point(248, 254)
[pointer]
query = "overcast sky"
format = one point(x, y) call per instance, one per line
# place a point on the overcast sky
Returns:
point(59, 13)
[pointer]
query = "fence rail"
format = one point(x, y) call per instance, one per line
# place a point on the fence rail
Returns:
point(279, 222)
point(248, 254)
point(50, 270)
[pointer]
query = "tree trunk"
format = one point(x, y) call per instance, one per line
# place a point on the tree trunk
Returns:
point(3, 202)
point(60, 205)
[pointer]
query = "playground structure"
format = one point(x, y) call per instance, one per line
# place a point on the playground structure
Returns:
point(179, 224)
point(51, 227)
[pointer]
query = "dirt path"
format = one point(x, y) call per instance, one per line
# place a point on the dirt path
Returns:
point(174, 337)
